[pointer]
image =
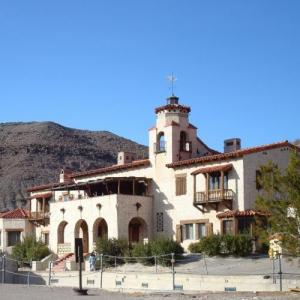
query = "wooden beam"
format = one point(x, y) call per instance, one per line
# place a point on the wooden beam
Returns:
point(195, 188)
point(119, 186)
point(207, 186)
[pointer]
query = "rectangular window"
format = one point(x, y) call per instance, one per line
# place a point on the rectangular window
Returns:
point(13, 237)
point(201, 230)
point(215, 181)
point(180, 183)
point(189, 231)
point(159, 222)
point(46, 238)
point(228, 227)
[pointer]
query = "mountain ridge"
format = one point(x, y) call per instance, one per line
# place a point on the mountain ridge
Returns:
point(32, 153)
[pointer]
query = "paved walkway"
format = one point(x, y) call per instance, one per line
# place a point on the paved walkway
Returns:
point(46, 293)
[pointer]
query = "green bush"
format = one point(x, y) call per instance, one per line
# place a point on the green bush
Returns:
point(243, 245)
point(142, 251)
point(227, 244)
point(29, 249)
point(113, 247)
point(159, 247)
point(239, 245)
point(211, 245)
point(195, 247)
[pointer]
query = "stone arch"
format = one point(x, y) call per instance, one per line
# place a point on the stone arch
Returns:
point(137, 230)
point(82, 231)
point(100, 229)
point(61, 232)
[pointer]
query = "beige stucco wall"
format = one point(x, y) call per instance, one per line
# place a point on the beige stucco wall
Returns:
point(22, 225)
point(252, 162)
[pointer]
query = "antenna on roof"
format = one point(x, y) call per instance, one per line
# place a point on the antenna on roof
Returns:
point(171, 78)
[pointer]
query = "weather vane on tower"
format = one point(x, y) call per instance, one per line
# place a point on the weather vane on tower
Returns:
point(171, 78)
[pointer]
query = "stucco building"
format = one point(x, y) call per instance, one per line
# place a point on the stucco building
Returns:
point(184, 190)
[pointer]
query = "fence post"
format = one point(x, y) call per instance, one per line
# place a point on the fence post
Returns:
point(155, 261)
point(28, 274)
point(101, 270)
point(173, 270)
point(280, 272)
point(50, 271)
point(3, 268)
point(115, 264)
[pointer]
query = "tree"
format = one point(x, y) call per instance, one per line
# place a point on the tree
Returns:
point(280, 197)
point(30, 249)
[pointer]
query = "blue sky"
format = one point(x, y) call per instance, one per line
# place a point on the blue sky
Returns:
point(102, 65)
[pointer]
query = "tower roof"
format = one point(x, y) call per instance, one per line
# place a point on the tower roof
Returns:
point(173, 104)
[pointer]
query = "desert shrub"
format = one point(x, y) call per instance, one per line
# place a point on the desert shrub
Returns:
point(195, 247)
point(239, 245)
point(30, 249)
point(112, 247)
point(211, 245)
point(243, 245)
point(159, 247)
point(227, 244)
point(164, 246)
point(142, 251)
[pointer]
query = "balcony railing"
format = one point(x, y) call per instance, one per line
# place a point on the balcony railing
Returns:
point(214, 196)
point(38, 215)
point(63, 248)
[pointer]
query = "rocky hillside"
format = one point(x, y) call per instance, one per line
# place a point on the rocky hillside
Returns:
point(33, 153)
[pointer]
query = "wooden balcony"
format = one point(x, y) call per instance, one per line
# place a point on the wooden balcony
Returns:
point(213, 198)
point(39, 217)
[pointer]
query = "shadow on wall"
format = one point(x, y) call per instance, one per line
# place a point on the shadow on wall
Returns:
point(163, 206)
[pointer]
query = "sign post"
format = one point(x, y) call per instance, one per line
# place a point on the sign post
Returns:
point(79, 260)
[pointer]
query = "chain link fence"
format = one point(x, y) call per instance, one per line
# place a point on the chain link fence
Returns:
point(168, 267)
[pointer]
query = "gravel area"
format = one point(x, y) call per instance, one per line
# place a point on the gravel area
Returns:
point(195, 264)
point(46, 293)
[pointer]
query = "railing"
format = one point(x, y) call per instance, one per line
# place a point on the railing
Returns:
point(63, 248)
point(214, 196)
point(38, 215)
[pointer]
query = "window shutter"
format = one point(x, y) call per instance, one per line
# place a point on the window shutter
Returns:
point(179, 233)
point(209, 229)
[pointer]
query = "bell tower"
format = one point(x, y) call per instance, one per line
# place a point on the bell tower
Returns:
point(173, 136)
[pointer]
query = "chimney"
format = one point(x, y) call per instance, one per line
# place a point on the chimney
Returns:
point(125, 157)
point(232, 145)
point(64, 176)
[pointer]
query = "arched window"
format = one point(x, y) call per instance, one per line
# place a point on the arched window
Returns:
point(161, 143)
point(183, 141)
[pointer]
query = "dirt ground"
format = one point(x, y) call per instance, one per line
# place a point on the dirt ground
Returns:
point(46, 293)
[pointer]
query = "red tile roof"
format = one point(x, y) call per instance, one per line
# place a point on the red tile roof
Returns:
point(229, 155)
point(224, 168)
point(134, 165)
point(192, 126)
point(45, 195)
point(47, 186)
point(169, 107)
point(18, 213)
point(241, 213)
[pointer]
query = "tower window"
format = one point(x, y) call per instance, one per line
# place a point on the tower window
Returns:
point(161, 143)
point(183, 141)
